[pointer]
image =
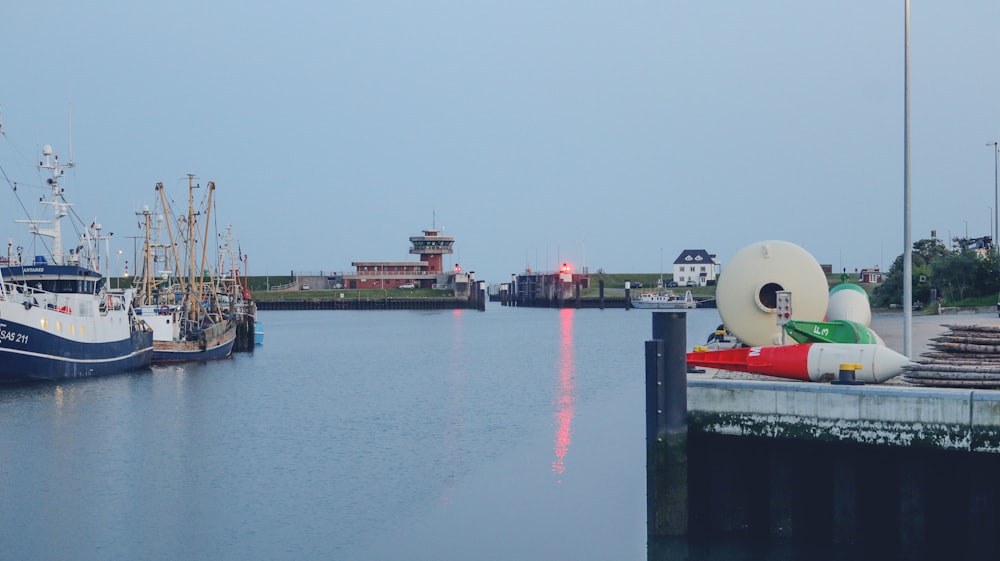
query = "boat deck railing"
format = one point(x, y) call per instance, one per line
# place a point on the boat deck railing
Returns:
point(28, 296)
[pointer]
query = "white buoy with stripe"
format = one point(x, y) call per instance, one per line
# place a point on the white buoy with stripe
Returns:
point(814, 362)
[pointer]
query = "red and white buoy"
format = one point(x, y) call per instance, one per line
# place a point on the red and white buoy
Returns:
point(808, 361)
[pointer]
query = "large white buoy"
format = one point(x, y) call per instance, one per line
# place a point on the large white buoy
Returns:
point(746, 294)
point(849, 302)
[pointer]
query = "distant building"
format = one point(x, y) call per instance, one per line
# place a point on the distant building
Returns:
point(428, 272)
point(981, 246)
point(695, 265)
point(870, 275)
point(545, 288)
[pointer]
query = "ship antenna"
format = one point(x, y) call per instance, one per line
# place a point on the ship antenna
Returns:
point(70, 132)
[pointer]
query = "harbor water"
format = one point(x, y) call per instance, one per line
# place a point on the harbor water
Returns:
point(510, 434)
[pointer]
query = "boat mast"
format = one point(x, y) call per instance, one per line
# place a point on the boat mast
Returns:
point(194, 289)
point(59, 209)
point(168, 213)
point(146, 292)
point(204, 245)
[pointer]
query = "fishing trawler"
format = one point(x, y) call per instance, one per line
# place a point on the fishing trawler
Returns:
point(58, 317)
point(185, 310)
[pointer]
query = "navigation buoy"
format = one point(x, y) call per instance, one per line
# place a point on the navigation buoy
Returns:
point(849, 302)
point(746, 294)
point(808, 362)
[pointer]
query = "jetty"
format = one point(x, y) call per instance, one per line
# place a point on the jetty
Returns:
point(566, 288)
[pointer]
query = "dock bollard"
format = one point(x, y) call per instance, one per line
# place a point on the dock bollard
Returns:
point(666, 426)
point(846, 376)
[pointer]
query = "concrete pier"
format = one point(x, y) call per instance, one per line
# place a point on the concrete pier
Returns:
point(943, 419)
point(874, 471)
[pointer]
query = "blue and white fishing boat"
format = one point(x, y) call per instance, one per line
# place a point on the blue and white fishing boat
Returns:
point(58, 317)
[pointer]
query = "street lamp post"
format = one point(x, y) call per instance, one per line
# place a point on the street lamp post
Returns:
point(907, 235)
point(996, 202)
point(996, 191)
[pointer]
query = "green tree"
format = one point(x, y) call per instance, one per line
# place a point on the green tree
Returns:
point(988, 278)
point(890, 292)
point(955, 274)
point(929, 249)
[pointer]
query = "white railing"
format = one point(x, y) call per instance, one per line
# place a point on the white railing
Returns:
point(28, 297)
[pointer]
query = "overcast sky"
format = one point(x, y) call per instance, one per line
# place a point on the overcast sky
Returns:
point(599, 133)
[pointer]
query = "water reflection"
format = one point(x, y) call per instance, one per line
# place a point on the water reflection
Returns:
point(564, 400)
point(456, 405)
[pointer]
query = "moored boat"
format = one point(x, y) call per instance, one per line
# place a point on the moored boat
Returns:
point(190, 314)
point(664, 300)
point(58, 317)
point(258, 332)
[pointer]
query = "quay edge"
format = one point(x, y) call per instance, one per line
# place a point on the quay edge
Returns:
point(373, 304)
point(933, 418)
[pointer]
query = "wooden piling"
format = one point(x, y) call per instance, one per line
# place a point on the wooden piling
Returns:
point(244, 342)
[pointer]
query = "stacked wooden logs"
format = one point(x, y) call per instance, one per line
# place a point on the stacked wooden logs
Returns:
point(965, 356)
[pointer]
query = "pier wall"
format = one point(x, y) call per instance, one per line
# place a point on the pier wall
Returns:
point(940, 418)
point(787, 468)
point(865, 500)
point(903, 472)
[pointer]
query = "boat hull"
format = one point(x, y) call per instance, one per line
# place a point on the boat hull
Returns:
point(45, 356)
point(184, 351)
point(678, 305)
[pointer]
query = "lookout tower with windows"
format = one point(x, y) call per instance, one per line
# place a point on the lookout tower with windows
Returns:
point(431, 247)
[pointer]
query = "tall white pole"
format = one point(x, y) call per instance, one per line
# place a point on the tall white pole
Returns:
point(996, 192)
point(907, 243)
point(996, 203)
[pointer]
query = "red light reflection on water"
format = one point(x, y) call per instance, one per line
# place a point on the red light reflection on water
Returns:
point(564, 399)
point(455, 406)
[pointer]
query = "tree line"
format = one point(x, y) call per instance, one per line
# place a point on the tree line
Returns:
point(968, 270)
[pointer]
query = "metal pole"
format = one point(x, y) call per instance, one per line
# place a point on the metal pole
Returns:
point(996, 194)
point(907, 243)
point(671, 328)
point(996, 205)
point(666, 427)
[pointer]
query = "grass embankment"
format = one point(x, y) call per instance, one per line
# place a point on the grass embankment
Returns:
point(614, 284)
point(616, 281)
